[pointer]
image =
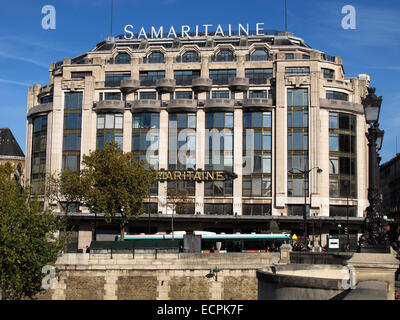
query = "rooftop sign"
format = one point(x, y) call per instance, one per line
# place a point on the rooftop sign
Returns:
point(203, 30)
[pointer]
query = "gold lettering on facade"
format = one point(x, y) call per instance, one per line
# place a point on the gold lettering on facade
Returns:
point(220, 176)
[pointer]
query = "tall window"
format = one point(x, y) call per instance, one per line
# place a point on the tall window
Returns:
point(149, 78)
point(72, 131)
point(145, 140)
point(219, 151)
point(297, 141)
point(257, 152)
point(39, 141)
point(258, 76)
point(109, 127)
point(182, 147)
point(184, 77)
point(221, 76)
point(342, 156)
point(156, 57)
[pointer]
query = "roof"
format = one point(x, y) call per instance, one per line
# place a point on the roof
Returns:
point(8, 145)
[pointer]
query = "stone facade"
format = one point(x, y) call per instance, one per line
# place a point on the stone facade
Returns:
point(87, 74)
point(167, 277)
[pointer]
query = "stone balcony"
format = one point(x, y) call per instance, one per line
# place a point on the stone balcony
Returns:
point(238, 84)
point(129, 85)
point(257, 103)
point(341, 105)
point(110, 106)
point(201, 84)
point(40, 108)
point(165, 85)
point(219, 105)
point(182, 105)
point(145, 105)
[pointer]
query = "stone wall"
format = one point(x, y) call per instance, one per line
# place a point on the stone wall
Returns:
point(166, 276)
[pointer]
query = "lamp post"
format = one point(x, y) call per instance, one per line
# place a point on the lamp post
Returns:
point(306, 182)
point(375, 238)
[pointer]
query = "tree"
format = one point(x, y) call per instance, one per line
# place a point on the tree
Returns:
point(64, 188)
point(115, 184)
point(27, 239)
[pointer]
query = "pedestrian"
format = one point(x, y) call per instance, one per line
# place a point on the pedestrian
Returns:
point(87, 249)
point(212, 249)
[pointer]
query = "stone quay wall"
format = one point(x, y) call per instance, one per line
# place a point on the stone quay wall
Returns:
point(162, 276)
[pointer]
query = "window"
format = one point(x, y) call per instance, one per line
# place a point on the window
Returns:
point(156, 57)
point(222, 94)
point(306, 57)
point(72, 131)
point(342, 156)
point(220, 77)
point(258, 94)
point(218, 209)
point(260, 55)
point(297, 141)
point(256, 209)
point(149, 78)
point(112, 96)
point(152, 95)
point(123, 58)
point(80, 75)
point(182, 141)
point(297, 70)
point(224, 55)
point(190, 56)
point(145, 141)
point(46, 99)
point(184, 77)
point(183, 95)
point(342, 211)
point(258, 76)
point(114, 79)
point(38, 164)
point(336, 95)
point(289, 56)
point(328, 73)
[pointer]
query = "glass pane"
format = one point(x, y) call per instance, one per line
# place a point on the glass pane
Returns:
point(100, 122)
point(257, 120)
point(219, 119)
point(119, 121)
point(266, 141)
point(191, 121)
point(109, 121)
point(229, 120)
point(247, 120)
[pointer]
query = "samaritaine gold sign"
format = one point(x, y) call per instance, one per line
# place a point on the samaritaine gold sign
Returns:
point(195, 175)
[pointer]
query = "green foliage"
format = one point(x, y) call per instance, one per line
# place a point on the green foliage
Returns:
point(115, 184)
point(273, 226)
point(27, 241)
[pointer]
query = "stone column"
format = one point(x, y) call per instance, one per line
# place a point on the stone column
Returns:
point(200, 161)
point(163, 160)
point(127, 131)
point(238, 160)
point(110, 286)
point(55, 157)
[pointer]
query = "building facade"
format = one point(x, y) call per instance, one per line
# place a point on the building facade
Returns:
point(260, 110)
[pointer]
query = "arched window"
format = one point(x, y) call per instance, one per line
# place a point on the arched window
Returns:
point(156, 57)
point(259, 55)
point(190, 56)
point(225, 55)
point(123, 58)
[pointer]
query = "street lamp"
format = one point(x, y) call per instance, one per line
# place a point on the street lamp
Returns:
point(306, 183)
point(375, 238)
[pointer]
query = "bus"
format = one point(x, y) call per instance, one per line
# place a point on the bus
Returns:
point(219, 243)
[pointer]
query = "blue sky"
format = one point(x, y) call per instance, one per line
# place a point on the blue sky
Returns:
point(26, 50)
